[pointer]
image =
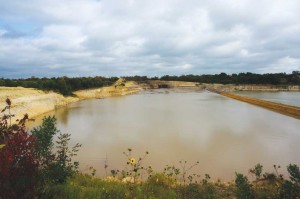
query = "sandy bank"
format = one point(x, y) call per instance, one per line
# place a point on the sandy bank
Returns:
point(36, 102)
point(32, 101)
point(120, 88)
point(154, 84)
point(289, 110)
point(250, 87)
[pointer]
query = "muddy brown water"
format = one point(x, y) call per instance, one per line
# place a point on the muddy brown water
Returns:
point(224, 135)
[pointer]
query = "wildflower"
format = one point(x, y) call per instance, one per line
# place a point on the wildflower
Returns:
point(132, 161)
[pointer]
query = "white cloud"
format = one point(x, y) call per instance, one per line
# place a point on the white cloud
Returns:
point(284, 64)
point(128, 37)
point(61, 37)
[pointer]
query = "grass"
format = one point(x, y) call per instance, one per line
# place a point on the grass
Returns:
point(176, 182)
point(157, 186)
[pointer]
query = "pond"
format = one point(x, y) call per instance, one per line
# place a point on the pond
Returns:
point(224, 135)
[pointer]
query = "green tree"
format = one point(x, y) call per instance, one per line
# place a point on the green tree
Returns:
point(257, 171)
point(56, 165)
point(244, 190)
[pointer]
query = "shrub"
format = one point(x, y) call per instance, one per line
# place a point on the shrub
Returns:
point(257, 171)
point(206, 191)
point(63, 167)
point(19, 162)
point(57, 166)
point(291, 189)
point(28, 163)
point(243, 187)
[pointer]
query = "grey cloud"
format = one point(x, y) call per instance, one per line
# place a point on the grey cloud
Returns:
point(130, 37)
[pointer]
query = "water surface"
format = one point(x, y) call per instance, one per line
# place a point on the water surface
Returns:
point(290, 98)
point(224, 135)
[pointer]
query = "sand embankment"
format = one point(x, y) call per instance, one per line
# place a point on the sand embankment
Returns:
point(32, 101)
point(120, 88)
point(154, 84)
point(250, 87)
point(289, 110)
point(36, 102)
point(226, 90)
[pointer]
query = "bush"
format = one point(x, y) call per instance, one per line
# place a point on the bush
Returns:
point(55, 167)
point(204, 191)
point(19, 162)
point(291, 189)
point(243, 187)
point(28, 163)
point(257, 171)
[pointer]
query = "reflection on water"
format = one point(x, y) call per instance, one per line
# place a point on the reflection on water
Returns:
point(290, 98)
point(224, 135)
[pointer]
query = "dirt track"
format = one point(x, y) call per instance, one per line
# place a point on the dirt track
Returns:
point(289, 110)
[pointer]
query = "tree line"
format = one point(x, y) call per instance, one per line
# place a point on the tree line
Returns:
point(67, 85)
point(63, 85)
point(223, 78)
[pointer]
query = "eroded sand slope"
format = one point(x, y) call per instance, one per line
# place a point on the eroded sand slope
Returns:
point(36, 102)
point(32, 101)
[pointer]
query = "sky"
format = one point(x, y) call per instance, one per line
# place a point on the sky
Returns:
point(75, 38)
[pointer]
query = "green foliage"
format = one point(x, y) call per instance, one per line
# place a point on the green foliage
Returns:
point(63, 85)
point(162, 180)
point(136, 165)
point(206, 179)
point(83, 186)
point(64, 167)
point(244, 190)
point(159, 186)
point(257, 171)
point(223, 78)
point(172, 173)
point(291, 189)
point(56, 165)
point(271, 177)
point(44, 137)
point(207, 191)
point(294, 173)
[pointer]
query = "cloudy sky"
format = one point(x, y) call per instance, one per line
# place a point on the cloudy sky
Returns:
point(143, 37)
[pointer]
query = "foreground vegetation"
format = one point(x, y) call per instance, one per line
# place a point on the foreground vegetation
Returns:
point(161, 185)
point(33, 165)
point(178, 182)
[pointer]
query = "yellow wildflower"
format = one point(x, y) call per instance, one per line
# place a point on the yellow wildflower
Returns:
point(132, 161)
